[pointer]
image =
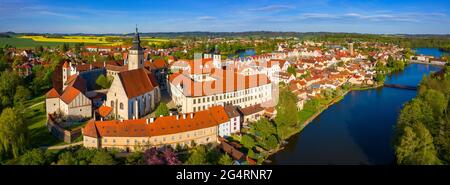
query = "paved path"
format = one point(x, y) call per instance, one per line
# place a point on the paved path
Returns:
point(59, 147)
point(36, 104)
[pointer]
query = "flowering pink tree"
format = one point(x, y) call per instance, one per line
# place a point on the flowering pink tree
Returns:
point(166, 156)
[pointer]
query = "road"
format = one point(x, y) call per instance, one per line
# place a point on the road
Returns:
point(59, 147)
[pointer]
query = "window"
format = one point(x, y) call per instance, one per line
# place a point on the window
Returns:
point(194, 101)
point(112, 103)
point(121, 106)
point(194, 109)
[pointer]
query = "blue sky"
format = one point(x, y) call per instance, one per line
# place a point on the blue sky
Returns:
point(109, 16)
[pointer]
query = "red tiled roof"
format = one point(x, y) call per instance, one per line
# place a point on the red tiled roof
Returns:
point(52, 93)
point(104, 110)
point(160, 63)
point(252, 109)
point(137, 82)
point(65, 65)
point(69, 94)
point(116, 68)
point(161, 125)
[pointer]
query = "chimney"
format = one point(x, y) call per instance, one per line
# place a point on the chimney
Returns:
point(121, 120)
point(101, 119)
point(184, 116)
point(152, 120)
point(147, 121)
point(178, 117)
point(160, 115)
point(171, 114)
point(192, 115)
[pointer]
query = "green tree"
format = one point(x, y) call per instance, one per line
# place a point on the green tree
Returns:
point(103, 158)
point(287, 102)
point(436, 100)
point(135, 158)
point(103, 82)
point(263, 128)
point(64, 47)
point(22, 94)
point(414, 112)
point(67, 158)
point(291, 70)
point(162, 109)
point(225, 159)
point(407, 144)
point(14, 133)
point(380, 77)
point(197, 156)
point(248, 141)
point(39, 49)
point(33, 157)
point(271, 142)
point(8, 83)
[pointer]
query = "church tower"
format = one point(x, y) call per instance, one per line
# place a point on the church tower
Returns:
point(136, 53)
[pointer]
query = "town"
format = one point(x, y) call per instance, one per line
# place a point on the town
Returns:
point(134, 98)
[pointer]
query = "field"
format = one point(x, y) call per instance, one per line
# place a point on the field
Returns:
point(33, 41)
point(25, 43)
point(69, 39)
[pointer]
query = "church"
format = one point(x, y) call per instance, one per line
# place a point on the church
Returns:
point(134, 92)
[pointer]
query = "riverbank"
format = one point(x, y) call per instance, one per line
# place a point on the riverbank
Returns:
point(315, 115)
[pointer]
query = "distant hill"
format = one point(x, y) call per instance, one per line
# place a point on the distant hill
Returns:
point(235, 34)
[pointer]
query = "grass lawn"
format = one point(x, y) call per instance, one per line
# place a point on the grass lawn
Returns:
point(35, 100)
point(303, 115)
point(36, 119)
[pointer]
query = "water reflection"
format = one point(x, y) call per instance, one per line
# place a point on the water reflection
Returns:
point(356, 130)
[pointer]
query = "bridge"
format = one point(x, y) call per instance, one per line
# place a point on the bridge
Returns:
point(398, 86)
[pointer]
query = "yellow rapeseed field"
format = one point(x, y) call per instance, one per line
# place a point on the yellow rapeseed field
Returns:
point(75, 39)
point(96, 40)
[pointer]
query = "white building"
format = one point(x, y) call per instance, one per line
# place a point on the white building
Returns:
point(220, 87)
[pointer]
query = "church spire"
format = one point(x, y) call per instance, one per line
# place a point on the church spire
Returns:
point(136, 41)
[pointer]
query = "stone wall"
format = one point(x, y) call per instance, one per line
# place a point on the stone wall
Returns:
point(68, 136)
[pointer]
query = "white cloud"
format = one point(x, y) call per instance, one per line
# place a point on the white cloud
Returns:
point(206, 18)
point(272, 8)
point(58, 14)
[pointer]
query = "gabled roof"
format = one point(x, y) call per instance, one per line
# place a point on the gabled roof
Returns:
point(77, 82)
point(91, 130)
point(104, 110)
point(69, 94)
point(137, 82)
point(52, 93)
point(160, 63)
